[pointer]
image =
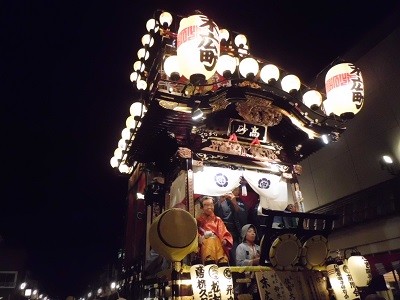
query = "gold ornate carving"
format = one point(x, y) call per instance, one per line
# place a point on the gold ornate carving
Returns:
point(168, 104)
point(250, 84)
point(175, 106)
point(184, 152)
point(258, 110)
point(219, 104)
point(261, 152)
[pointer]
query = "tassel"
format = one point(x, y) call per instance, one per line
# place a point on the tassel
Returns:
point(244, 190)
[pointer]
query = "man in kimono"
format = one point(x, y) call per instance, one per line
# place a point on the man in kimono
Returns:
point(215, 240)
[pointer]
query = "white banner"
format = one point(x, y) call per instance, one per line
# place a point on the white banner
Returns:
point(215, 181)
point(273, 189)
point(178, 189)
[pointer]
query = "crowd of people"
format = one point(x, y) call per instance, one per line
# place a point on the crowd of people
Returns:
point(227, 232)
point(222, 222)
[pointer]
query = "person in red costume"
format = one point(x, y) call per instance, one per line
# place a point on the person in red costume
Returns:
point(215, 240)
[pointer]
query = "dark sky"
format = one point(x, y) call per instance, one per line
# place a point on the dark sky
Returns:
point(65, 95)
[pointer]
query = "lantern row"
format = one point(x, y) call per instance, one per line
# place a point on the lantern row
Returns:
point(133, 122)
point(222, 52)
point(229, 56)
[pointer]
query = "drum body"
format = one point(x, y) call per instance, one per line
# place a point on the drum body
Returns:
point(173, 234)
point(281, 251)
point(314, 252)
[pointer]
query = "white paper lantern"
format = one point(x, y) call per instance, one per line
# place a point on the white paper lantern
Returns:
point(198, 47)
point(226, 65)
point(114, 162)
point(312, 99)
point(212, 283)
point(360, 270)
point(225, 283)
point(165, 19)
point(290, 82)
point(269, 72)
point(248, 67)
point(342, 282)
point(171, 67)
point(137, 109)
point(198, 281)
point(344, 90)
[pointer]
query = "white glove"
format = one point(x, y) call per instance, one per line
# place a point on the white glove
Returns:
point(208, 234)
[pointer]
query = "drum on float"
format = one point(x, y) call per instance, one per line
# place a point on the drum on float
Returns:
point(173, 234)
point(281, 251)
point(314, 252)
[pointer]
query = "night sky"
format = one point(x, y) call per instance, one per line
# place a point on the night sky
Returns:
point(65, 95)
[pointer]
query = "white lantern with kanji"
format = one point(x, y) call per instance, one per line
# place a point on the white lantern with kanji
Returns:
point(212, 281)
point(342, 282)
point(225, 283)
point(198, 47)
point(360, 270)
point(198, 280)
point(344, 90)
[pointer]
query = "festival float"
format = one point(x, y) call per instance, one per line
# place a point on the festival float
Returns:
point(209, 117)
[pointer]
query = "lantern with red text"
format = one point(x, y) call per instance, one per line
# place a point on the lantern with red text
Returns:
point(344, 90)
point(198, 48)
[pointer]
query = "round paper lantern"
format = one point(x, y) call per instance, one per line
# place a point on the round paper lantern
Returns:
point(344, 90)
point(360, 270)
point(198, 47)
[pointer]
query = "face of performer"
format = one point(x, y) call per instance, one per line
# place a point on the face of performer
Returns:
point(290, 207)
point(208, 206)
point(251, 235)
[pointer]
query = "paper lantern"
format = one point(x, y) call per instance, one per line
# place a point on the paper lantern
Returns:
point(198, 281)
point(342, 282)
point(198, 47)
point(344, 90)
point(360, 270)
point(225, 283)
point(212, 283)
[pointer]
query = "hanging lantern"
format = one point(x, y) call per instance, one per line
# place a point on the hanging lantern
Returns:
point(198, 48)
point(342, 283)
point(225, 283)
point(198, 281)
point(212, 283)
point(312, 99)
point(344, 90)
point(360, 269)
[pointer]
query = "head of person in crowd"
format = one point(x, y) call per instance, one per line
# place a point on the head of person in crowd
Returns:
point(290, 207)
point(207, 204)
point(249, 233)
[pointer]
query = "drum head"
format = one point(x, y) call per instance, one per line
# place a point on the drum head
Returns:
point(285, 251)
point(176, 228)
point(315, 251)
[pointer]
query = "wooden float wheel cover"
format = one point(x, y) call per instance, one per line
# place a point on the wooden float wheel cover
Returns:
point(285, 251)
